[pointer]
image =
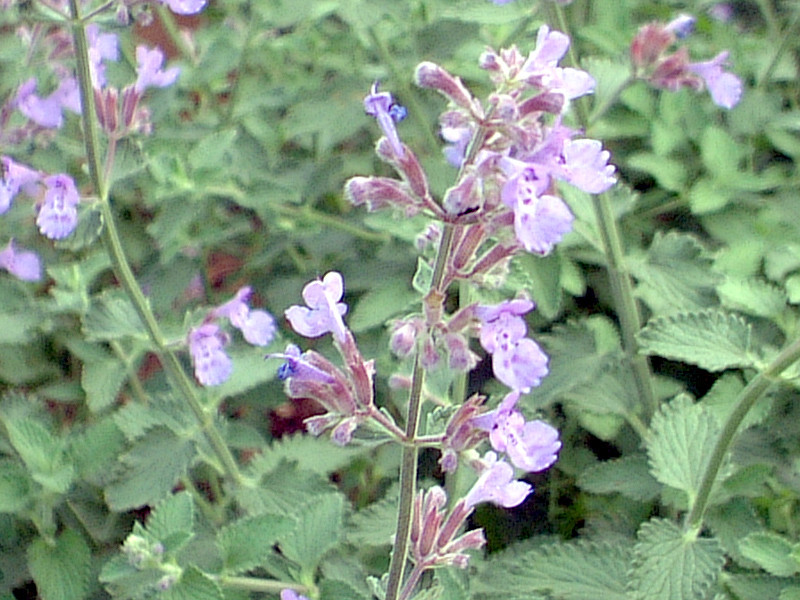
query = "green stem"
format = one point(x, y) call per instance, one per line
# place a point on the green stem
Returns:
point(253, 584)
point(408, 460)
point(744, 402)
point(621, 286)
point(122, 269)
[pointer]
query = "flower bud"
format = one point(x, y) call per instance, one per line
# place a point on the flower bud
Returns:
point(432, 76)
point(380, 192)
point(407, 165)
point(462, 198)
point(650, 43)
point(404, 336)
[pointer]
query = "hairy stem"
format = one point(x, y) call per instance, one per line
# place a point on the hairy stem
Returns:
point(122, 269)
point(744, 402)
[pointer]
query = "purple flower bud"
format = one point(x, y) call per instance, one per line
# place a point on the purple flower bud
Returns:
point(323, 313)
point(22, 264)
point(404, 336)
point(380, 192)
point(149, 72)
point(463, 198)
point(432, 76)
point(381, 106)
point(497, 485)
point(212, 366)
point(302, 366)
point(58, 215)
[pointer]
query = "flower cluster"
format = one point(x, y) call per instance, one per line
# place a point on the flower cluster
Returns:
point(672, 71)
point(206, 342)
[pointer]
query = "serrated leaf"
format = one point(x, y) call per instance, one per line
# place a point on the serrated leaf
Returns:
point(721, 400)
point(730, 523)
point(675, 274)
point(61, 569)
point(711, 339)
point(213, 150)
point(756, 587)
point(752, 296)
point(374, 525)
point(249, 369)
point(720, 152)
point(172, 521)
point(244, 544)
point(319, 528)
point(380, 304)
point(771, 552)
point(682, 440)
point(18, 327)
point(42, 453)
point(568, 571)
point(670, 565)
point(151, 469)
point(629, 476)
point(669, 173)
point(15, 487)
point(101, 380)
point(194, 585)
point(540, 275)
point(311, 454)
point(94, 450)
point(112, 317)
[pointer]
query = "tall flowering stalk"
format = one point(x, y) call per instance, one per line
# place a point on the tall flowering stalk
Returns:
point(511, 150)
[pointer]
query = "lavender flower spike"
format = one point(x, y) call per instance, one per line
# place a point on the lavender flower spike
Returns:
point(22, 264)
point(381, 106)
point(323, 313)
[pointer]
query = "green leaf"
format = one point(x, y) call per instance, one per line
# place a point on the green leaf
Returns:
point(380, 304)
point(60, 569)
point(213, 150)
point(246, 543)
point(628, 476)
point(111, 316)
point(194, 585)
point(15, 487)
point(249, 369)
point(683, 437)
point(669, 173)
point(752, 296)
point(671, 565)
point(172, 521)
point(711, 339)
point(311, 454)
point(42, 453)
point(541, 275)
point(95, 450)
point(152, 467)
point(771, 552)
point(719, 151)
point(375, 524)
point(18, 327)
point(676, 274)
point(423, 276)
point(102, 379)
point(757, 587)
point(319, 528)
point(568, 571)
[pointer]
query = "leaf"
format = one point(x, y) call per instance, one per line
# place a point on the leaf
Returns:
point(711, 339)
point(683, 437)
point(374, 525)
point(61, 569)
point(152, 467)
point(628, 476)
point(42, 453)
point(312, 454)
point(757, 587)
point(676, 274)
point(669, 173)
point(771, 552)
point(213, 150)
point(15, 487)
point(380, 304)
point(752, 296)
point(245, 543)
point(720, 152)
point(96, 449)
point(671, 565)
point(172, 521)
point(18, 327)
point(110, 317)
point(193, 585)
point(540, 275)
point(319, 528)
point(568, 571)
point(102, 379)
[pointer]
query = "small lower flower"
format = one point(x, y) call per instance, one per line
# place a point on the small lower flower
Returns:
point(497, 485)
point(22, 264)
point(58, 214)
point(212, 366)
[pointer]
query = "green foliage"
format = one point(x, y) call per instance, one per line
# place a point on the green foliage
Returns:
point(61, 567)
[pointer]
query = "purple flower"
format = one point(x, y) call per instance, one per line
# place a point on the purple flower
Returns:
point(541, 66)
point(58, 215)
point(502, 323)
point(381, 106)
point(323, 313)
point(532, 445)
point(586, 166)
point(13, 177)
point(149, 72)
point(186, 7)
point(288, 594)
point(682, 26)
point(725, 88)
point(298, 367)
point(102, 46)
point(45, 112)
point(497, 485)
point(212, 366)
point(257, 326)
point(22, 264)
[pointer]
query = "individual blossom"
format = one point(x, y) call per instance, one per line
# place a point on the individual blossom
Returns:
point(22, 264)
point(532, 446)
point(257, 326)
point(496, 484)
point(323, 311)
point(45, 112)
point(381, 106)
point(212, 366)
point(725, 88)
point(186, 7)
point(149, 72)
point(58, 214)
point(288, 594)
point(13, 178)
